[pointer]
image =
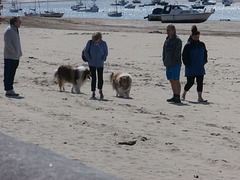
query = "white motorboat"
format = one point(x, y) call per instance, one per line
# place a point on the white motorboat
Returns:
point(130, 6)
point(183, 14)
point(198, 5)
point(207, 2)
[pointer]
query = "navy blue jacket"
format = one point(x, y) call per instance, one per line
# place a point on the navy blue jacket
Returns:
point(98, 53)
point(194, 58)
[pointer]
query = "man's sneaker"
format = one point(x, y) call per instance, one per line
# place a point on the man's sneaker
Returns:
point(11, 93)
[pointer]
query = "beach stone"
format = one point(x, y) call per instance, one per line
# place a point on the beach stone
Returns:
point(23, 161)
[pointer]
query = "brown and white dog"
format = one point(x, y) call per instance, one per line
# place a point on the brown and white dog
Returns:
point(121, 83)
point(76, 76)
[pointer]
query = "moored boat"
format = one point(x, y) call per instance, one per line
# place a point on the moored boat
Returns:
point(136, 1)
point(207, 2)
point(130, 6)
point(115, 13)
point(51, 14)
point(182, 14)
point(198, 5)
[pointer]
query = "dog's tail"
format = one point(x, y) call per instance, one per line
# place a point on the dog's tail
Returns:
point(55, 75)
point(111, 77)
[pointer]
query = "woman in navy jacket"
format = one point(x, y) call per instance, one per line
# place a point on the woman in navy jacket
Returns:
point(96, 53)
point(194, 58)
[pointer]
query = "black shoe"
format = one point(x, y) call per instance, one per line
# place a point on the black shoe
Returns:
point(93, 96)
point(101, 94)
point(171, 100)
point(177, 100)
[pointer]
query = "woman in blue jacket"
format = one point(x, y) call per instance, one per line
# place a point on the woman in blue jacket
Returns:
point(194, 58)
point(96, 53)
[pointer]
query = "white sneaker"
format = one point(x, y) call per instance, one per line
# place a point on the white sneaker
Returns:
point(11, 93)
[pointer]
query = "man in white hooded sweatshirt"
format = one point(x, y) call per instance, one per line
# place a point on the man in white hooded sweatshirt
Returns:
point(12, 54)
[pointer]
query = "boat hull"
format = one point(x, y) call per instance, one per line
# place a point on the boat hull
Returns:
point(154, 17)
point(56, 15)
point(119, 14)
point(183, 18)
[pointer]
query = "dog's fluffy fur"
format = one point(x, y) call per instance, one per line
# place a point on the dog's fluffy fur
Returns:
point(121, 83)
point(76, 76)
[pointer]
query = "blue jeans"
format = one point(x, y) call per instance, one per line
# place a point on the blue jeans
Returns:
point(10, 67)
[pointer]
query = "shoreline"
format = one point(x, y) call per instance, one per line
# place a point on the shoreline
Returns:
point(220, 28)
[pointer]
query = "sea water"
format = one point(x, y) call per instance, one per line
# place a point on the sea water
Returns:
point(232, 12)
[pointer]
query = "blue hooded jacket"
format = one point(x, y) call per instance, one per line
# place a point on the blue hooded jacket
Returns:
point(98, 53)
point(194, 58)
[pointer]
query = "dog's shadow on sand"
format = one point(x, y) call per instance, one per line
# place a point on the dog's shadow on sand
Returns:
point(15, 97)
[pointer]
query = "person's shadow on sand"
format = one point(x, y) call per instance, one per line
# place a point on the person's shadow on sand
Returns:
point(204, 103)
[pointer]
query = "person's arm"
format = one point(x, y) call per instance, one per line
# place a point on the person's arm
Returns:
point(87, 52)
point(163, 53)
point(8, 43)
point(186, 55)
point(178, 49)
point(205, 53)
point(105, 52)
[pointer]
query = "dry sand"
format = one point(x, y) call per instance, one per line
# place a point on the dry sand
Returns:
point(173, 141)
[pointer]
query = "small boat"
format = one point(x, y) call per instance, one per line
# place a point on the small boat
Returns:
point(130, 6)
point(207, 2)
point(227, 2)
point(51, 14)
point(93, 8)
point(198, 5)
point(78, 6)
point(192, 0)
point(123, 2)
point(163, 3)
point(182, 14)
point(136, 1)
point(14, 8)
point(115, 13)
point(33, 11)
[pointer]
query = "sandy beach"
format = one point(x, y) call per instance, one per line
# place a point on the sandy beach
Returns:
point(187, 141)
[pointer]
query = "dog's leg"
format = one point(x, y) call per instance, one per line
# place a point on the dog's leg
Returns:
point(127, 94)
point(60, 83)
point(72, 88)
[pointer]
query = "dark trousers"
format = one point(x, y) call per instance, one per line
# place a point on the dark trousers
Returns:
point(190, 82)
point(10, 67)
point(94, 78)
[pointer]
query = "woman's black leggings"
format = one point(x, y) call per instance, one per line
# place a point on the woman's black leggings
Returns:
point(190, 82)
point(94, 77)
